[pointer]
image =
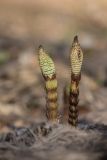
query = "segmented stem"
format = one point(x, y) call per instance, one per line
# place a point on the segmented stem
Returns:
point(49, 74)
point(76, 58)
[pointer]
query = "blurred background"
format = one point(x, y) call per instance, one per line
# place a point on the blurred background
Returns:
point(24, 25)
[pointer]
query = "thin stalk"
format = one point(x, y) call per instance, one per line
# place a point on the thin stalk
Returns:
point(76, 59)
point(49, 73)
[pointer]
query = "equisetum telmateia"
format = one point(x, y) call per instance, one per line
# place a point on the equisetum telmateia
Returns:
point(76, 59)
point(49, 73)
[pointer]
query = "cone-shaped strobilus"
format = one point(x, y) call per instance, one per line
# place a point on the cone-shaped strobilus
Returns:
point(48, 71)
point(76, 59)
